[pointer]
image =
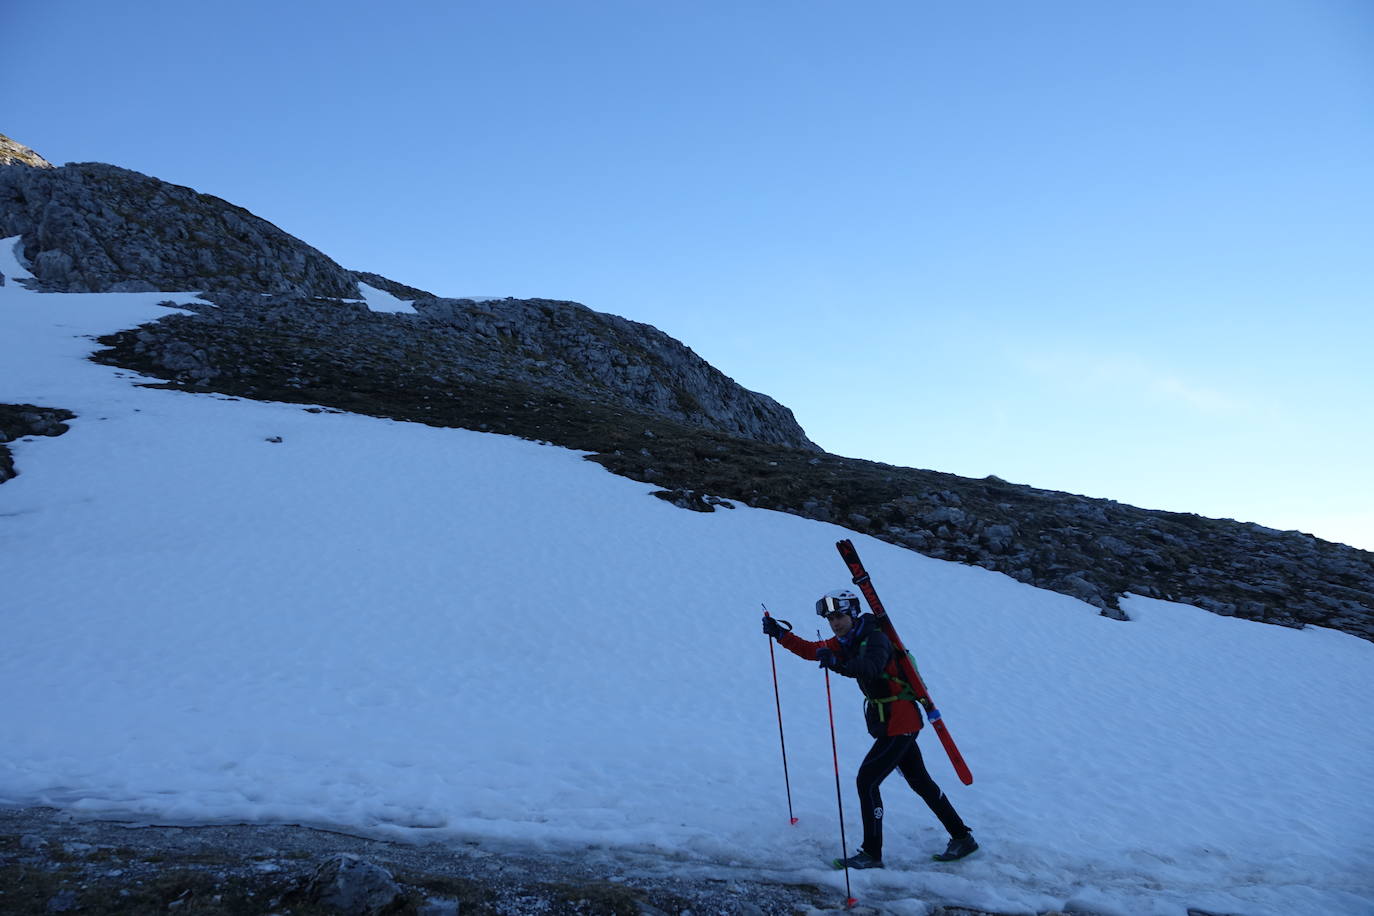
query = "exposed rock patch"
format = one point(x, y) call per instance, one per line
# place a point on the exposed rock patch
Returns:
point(50, 863)
point(20, 420)
point(354, 886)
point(1095, 550)
point(512, 349)
point(691, 499)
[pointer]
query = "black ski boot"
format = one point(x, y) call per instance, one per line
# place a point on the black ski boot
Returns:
point(860, 859)
point(958, 848)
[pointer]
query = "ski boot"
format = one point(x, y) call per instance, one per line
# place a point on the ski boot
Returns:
point(958, 848)
point(860, 859)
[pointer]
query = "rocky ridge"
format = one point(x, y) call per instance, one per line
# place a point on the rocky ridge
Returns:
point(644, 404)
point(90, 227)
point(327, 348)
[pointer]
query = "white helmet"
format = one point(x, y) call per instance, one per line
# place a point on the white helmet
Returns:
point(839, 601)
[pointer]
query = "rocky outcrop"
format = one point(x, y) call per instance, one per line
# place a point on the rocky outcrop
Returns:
point(453, 350)
point(1096, 550)
point(352, 886)
point(90, 227)
point(20, 420)
point(575, 349)
point(15, 153)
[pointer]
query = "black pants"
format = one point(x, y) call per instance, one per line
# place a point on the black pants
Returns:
point(899, 753)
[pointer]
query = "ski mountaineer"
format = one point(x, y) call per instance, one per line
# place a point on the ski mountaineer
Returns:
point(862, 651)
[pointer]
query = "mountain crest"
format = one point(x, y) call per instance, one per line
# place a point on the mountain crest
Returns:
point(92, 227)
point(12, 152)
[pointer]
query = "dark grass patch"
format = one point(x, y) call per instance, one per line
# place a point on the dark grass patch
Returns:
point(474, 897)
point(26, 890)
point(601, 898)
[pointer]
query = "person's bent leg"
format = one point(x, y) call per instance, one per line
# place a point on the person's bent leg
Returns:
point(913, 768)
point(886, 753)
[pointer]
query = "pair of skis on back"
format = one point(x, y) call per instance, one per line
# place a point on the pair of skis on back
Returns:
point(904, 660)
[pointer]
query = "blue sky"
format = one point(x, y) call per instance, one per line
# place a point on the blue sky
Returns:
point(1120, 249)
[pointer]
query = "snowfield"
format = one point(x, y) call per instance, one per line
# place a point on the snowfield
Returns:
point(444, 636)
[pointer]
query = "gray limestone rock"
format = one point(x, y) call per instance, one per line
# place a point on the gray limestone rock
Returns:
point(561, 348)
point(90, 227)
point(353, 886)
point(569, 346)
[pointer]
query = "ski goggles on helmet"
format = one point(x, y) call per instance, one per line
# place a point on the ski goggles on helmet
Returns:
point(840, 602)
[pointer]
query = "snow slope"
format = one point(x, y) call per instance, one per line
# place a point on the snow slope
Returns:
point(441, 636)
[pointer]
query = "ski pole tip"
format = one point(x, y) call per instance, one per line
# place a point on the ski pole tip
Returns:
point(851, 903)
point(794, 821)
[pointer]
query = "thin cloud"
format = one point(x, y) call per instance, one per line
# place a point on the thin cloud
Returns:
point(1204, 399)
point(1130, 374)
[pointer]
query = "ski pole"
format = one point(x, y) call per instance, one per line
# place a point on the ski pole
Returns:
point(849, 900)
point(777, 700)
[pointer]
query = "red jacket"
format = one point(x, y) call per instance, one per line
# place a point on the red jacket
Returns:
point(866, 655)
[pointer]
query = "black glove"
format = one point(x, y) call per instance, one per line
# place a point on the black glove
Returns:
point(827, 658)
point(772, 628)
